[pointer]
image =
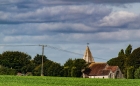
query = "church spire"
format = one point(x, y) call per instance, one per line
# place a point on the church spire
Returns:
point(88, 55)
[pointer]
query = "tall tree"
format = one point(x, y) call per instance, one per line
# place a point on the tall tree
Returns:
point(128, 50)
point(121, 53)
point(134, 59)
point(118, 61)
point(123, 60)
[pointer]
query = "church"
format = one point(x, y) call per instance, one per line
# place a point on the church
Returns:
point(99, 69)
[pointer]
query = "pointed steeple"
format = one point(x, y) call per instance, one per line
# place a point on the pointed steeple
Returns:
point(88, 56)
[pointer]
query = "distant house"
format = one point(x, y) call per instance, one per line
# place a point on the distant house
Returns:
point(99, 70)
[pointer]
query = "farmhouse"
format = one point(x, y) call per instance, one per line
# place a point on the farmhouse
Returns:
point(99, 70)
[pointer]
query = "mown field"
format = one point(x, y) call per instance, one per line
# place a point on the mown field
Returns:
point(63, 81)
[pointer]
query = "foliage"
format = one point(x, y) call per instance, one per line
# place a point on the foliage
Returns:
point(38, 59)
point(121, 53)
point(128, 50)
point(54, 69)
point(130, 72)
point(124, 61)
point(137, 73)
point(50, 68)
point(37, 71)
point(118, 61)
point(15, 60)
point(7, 71)
point(29, 67)
point(134, 59)
point(72, 68)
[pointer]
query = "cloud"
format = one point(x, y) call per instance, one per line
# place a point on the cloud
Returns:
point(64, 38)
point(118, 19)
point(69, 24)
point(70, 13)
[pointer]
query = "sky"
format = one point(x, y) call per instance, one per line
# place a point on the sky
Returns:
point(107, 25)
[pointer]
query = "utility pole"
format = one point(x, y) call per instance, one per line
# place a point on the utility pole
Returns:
point(42, 58)
point(33, 45)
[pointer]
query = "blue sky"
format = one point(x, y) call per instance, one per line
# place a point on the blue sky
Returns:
point(107, 25)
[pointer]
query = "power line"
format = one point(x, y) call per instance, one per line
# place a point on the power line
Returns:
point(71, 52)
point(49, 47)
point(63, 50)
point(16, 45)
point(42, 54)
point(56, 48)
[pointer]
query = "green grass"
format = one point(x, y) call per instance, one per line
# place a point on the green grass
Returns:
point(63, 81)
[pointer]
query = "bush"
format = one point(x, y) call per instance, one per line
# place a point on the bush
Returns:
point(7, 71)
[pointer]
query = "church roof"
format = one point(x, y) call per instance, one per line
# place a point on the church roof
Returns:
point(100, 69)
point(96, 68)
point(112, 68)
point(103, 72)
point(88, 56)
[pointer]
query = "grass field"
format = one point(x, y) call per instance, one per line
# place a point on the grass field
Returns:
point(63, 81)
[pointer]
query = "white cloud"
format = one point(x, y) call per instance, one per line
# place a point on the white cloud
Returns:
point(118, 36)
point(12, 39)
point(118, 18)
point(65, 27)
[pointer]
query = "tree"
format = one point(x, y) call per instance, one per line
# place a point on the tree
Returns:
point(78, 65)
point(137, 73)
point(29, 67)
point(128, 50)
point(118, 61)
point(130, 72)
point(50, 68)
point(15, 60)
point(72, 68)
point(121, 53)
point(38, 59)
point(67, 67)
point(37, 70)
point(134, 58)
point(123, 60)
point(47, 70)
point(69, 63)
point(54, 69)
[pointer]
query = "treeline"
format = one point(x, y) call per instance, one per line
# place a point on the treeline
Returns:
point(128, 61)
point(14, 62)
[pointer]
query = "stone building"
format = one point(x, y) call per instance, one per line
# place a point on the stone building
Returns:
point(99, 70)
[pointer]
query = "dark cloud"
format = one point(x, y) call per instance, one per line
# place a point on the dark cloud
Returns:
point(70, 13)
point(63, 19)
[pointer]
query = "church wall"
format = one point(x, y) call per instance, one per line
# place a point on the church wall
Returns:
point(85, 76)
point(118, 74)
point(101, 77)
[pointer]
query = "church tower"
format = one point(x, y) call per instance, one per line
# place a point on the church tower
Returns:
point(88, 56)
